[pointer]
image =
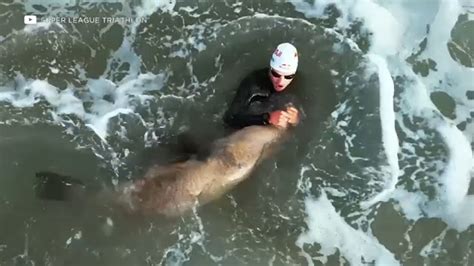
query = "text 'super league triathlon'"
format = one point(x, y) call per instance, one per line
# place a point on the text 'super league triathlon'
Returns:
point(91, 20)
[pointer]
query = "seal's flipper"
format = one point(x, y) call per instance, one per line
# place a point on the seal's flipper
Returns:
point(53, 186)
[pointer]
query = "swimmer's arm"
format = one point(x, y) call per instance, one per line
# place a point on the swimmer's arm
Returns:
point(237, 116)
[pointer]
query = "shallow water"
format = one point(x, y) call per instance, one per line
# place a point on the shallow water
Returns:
point(378, 173)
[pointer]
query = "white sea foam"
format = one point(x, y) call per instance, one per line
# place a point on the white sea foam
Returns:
point(454, 205)
point(450, 76)
point(124, 95)
point(389, 134)
point(441, 17)
point(458, 208)
point(149, 7)
point(377, 20)
point(327, 228)
point(30, 92)
point(40, 26)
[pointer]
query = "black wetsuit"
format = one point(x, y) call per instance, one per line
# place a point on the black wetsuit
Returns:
point(256, 99)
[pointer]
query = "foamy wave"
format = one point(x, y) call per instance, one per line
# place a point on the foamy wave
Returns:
point(459, 207)
point(327, 228)
point(123, 96)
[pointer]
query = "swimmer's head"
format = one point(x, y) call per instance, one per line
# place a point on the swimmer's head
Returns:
point(283, 65)
point(285, 59)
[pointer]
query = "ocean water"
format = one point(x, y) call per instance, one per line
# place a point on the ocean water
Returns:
point(378, 173)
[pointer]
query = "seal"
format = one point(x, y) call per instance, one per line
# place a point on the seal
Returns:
point(174, 189)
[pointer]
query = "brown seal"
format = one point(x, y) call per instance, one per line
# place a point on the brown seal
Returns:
point(173, 189)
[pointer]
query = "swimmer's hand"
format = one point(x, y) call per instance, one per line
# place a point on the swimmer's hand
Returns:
point(293, 116)
point(282, 119)
point(279, 119)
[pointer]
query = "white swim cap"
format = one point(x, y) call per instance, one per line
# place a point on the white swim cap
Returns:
point(285, 59)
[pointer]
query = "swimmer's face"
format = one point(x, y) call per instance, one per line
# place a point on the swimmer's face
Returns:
point(279, 80)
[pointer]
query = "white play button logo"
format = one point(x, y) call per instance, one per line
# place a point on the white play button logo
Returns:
point(31, 19)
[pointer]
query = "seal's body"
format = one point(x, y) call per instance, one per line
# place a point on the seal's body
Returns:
point(173, 189)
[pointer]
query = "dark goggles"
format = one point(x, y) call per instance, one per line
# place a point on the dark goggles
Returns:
point(276, 75)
